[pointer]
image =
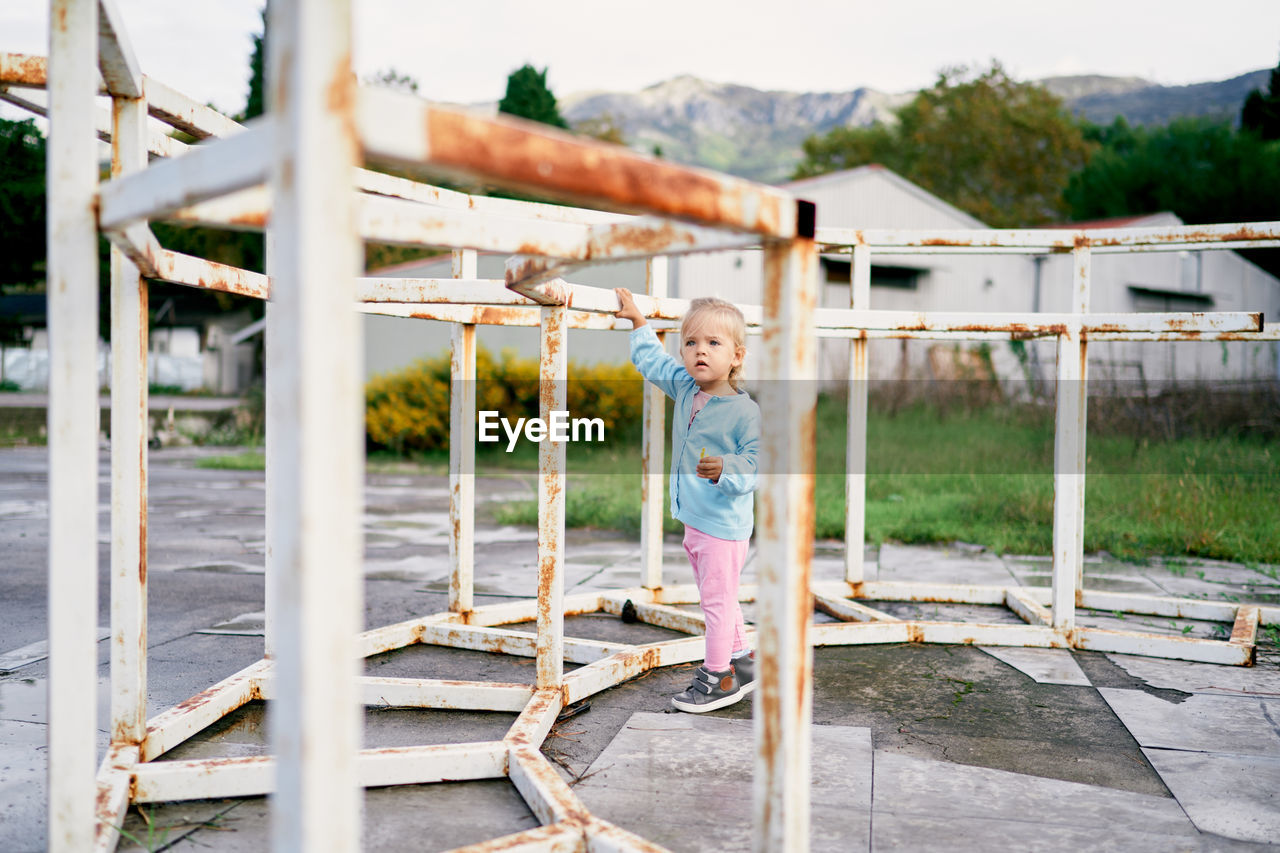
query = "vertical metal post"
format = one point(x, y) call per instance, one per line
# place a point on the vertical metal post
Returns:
point(1069, 455)
point(274, 442)
point(784, 698)
point(73, 422)
point(552, 397)
point(316, 715)
point(462, 450)
point(129, 298)
point(855, 480)
point(652, 451)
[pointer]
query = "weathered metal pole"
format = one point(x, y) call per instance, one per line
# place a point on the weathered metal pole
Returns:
point(462, 450)
point(784, 698)
point(1069, 454)
point(552, 397)
point(652, 452)
point(129, 321)
point(855, 480)
point(73, 422)
point(316, 714)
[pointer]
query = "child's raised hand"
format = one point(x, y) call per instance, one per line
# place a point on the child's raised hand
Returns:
point(628, 311)
point(710, 468)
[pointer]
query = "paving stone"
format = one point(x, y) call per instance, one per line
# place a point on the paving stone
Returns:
point(910, 786)
point(949, 565)
point(924, 834)
point(1046, 666)
point(1203, 723)
point(1233, 795)
point(1262, 680)
point(685, 782)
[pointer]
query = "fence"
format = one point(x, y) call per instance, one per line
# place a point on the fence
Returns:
point(294, 172)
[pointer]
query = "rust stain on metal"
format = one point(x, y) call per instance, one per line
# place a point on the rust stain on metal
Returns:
point(24, 70)
point(650, 240)
point(524, 155)
point(915, 632)
point(341, 90)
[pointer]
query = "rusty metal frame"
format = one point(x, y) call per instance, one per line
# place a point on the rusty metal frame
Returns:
point(224, 181)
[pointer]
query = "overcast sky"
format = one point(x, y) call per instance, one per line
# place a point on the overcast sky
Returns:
point(462, 51)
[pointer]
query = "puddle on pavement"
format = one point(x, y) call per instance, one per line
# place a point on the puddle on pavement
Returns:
point(24, 509)
point(225, 568)
point(26, 700)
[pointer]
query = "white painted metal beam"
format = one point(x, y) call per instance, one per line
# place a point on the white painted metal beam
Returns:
point(783, 698)
point(129, 419)
point(318, 586)
point(73, 423)
point(207, 170)
point(116, 59)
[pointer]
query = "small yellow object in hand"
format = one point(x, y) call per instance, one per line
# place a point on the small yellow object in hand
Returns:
point(703, 454)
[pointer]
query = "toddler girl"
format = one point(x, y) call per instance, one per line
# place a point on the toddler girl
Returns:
point(715, 434)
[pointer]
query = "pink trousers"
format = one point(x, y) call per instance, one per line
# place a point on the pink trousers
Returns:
point(717, 566)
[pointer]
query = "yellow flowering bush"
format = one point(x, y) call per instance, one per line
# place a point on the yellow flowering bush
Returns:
point(408, 410)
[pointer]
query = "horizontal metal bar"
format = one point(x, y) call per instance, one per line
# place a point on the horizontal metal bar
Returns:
point(1245, 629)
point(36, 102)
point(552, 838)
point(946, 633)
point(169, 781)
point(402, 129)
point(421, 291)
point(115, 781)
point(387, 638)
point(185, 113)
point(546, 794)
point(1154, 605)
point(433, 693)
point(1031, 611)
point(243, 210)
point(507, 642)
point(116, 59)
point(205, 171)
point(899, 241)
point(170, 728)
point(526, 610)
point(850, 611)
point(617, 668)
point(381, 183)
point(26, 70)
point(1032, 323)
point(152, 261)
point(938, 593)
point(1153, 645)
point(1270, 332)
point(536, 719)
point(410, 223)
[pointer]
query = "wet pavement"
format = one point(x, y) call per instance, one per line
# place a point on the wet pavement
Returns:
point(916, 747)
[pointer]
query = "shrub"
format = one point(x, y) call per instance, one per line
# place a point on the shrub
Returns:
point(408, 411)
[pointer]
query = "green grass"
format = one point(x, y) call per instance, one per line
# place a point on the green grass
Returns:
point(985, 476)
point(980, 475)
point(249, 460)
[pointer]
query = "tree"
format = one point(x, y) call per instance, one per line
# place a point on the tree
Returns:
point(256, 104)
point(996, 148)
point(1261, 112)
point(528, 97)
point(22, 203)
point(1202, 170)
point(605, 127)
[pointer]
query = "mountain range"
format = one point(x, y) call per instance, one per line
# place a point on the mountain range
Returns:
point(758, 134)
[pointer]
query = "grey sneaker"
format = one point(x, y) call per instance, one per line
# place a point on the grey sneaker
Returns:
point(709, 691)
point(745, 668)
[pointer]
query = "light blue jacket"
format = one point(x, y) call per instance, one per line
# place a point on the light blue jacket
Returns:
point(728, 427)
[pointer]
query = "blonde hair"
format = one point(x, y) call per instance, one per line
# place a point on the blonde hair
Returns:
point(707, 310)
